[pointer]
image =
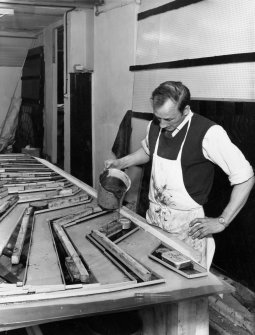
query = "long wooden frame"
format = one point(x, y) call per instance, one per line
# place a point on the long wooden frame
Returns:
point(31, 305)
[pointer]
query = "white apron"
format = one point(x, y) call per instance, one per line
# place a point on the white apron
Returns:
point(171, 207)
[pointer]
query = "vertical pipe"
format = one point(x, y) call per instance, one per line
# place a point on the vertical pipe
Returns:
point(66, 50)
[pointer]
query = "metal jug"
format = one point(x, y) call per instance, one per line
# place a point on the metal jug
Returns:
point(113, 185)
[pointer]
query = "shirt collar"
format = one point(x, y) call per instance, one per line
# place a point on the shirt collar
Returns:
point(181, 125)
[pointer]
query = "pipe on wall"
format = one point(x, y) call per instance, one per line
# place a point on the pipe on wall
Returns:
point(113, 6)
point(66, 49)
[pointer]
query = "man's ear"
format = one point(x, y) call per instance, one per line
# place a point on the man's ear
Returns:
point(186, 110)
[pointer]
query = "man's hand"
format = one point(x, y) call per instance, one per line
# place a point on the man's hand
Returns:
point(200, 228)
point(112, 163)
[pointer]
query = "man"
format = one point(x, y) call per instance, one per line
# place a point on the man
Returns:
point(184, 147)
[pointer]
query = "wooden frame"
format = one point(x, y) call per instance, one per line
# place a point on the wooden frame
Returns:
point(173, 305)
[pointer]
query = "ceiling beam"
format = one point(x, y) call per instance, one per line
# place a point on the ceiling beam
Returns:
point(17, 35)
point(50, 4)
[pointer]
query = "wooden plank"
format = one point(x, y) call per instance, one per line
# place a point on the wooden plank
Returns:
point(24, 294)
point(32, 191)
point(243, 320)
point(8, 202)
point(54, 199)
point(9, 223)
point(66, 175)
point(136, 267)
point(42, 195)
point(21, 236)
point(16, 169)
point(30, 179)
point(79, 216)
point(26, 187)
point(70, 250)
point(32, 174)
point(43, 267)
point(7, 275)
point(102, 268)
point(69, 201)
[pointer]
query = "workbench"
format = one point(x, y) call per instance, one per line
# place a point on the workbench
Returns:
point(172, 304)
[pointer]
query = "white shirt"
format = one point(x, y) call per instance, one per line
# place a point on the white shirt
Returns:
point(218, 148)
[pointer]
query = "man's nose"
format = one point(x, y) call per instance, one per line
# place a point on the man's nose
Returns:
point(162, 124)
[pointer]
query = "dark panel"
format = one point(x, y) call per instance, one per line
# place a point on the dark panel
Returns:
point(165, 8)
point(33, 76)
point(31, 89)
point(235, 247)
point(30, 125)
point(203, 61)
point(80, 118)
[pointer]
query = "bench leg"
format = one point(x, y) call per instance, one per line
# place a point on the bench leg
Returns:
point(34, 330)
point(184, 318)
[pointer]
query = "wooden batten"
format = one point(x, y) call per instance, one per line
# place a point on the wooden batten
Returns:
point(21, 236)
point(8, 203)
point(128, 261)
point(9, 223)
point(79, 216)
point(54, 204)
point(72, 253)
point(246, 321)
point(86, 290)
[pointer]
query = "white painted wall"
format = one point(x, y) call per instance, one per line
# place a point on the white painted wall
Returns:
point(115, 47)
point(9, 87)
point(14, 50)
point(81, 39)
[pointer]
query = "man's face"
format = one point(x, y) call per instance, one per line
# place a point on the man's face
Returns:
point(169, 116)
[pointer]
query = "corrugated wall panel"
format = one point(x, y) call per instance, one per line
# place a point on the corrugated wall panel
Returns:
point(207, 28)
point(230, 82)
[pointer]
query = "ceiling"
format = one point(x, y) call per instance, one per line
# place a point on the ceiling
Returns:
point(32, 16)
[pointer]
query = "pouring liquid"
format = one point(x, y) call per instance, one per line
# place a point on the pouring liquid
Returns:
point(116, 188)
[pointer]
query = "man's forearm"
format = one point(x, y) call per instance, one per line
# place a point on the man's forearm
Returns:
point(136, 158)
point(202, 227)
point(237, 200)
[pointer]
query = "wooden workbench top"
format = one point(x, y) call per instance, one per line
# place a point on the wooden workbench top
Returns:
point(17, 311)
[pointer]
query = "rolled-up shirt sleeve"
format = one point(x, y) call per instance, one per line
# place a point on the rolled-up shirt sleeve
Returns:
point(145, 141)
point(218, 148)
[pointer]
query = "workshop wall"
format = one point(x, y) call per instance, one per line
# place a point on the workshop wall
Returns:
point(202, 29)
point(115, 43)
point(9, 86)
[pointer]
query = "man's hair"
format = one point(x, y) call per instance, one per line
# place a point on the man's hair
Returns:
point(173, 90)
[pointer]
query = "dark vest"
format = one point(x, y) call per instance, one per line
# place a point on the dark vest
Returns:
point(198, 172)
